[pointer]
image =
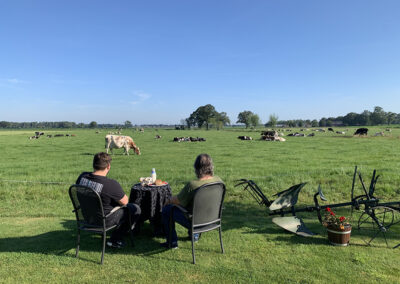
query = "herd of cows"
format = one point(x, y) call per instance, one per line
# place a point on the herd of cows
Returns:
point(273, 135)
point(126, 142)
point(38, 134)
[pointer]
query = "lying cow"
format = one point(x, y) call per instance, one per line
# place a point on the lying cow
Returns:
point(116, 141)
point(245, 138)
point(361, 131)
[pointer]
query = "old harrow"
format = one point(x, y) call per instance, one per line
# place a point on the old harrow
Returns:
point(377, 223)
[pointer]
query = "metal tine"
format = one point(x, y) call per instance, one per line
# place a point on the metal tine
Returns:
point(363, 186)
point(371, 185)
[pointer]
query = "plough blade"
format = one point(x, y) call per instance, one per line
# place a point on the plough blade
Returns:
point(287, 198)
point(293, 224)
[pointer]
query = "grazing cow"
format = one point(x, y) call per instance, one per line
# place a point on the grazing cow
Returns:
point(330, 129)
point(116, 141)
point(361, 131)
point(340, 132)
point(33, 137)
point(157, 137)
point(245, 138)
point(37, 133)
point(59, 135)
point(311, 135)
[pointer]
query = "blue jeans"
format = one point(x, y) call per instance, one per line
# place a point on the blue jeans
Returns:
point(178, 217)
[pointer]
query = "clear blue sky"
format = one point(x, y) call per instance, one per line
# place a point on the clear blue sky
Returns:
point(157, 61)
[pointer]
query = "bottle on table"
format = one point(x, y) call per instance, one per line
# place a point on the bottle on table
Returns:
point(153, 175)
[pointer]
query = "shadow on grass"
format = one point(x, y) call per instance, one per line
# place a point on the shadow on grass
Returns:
point(238, 215)
point(61, 241)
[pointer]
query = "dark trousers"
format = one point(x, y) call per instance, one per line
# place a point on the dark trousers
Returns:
point(178, 217)
point(121, 218)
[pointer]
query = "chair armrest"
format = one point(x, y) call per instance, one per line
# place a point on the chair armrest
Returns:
point(183, 209)
point(116, 208)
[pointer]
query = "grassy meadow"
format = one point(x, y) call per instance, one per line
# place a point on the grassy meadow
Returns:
point(38, 229)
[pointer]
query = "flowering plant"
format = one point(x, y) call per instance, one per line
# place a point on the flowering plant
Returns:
point(331, 220)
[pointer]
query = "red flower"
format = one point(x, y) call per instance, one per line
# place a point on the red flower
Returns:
point(328, 209)
point(341, 219)
point(333, 214)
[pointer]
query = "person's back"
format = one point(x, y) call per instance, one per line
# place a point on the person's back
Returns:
point(204, 170)
point(112, 196)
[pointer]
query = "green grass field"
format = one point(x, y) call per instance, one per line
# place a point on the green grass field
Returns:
point(38, 230)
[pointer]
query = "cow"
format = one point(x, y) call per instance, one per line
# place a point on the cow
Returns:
point(116, 141)
point(361, 131)
point(38, 133)
point(379, 133)
point(340, 132)
point(330, 129)
point(157, 137)
point(245, 138)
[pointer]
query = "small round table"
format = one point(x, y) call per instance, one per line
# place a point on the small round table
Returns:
point(151, 200)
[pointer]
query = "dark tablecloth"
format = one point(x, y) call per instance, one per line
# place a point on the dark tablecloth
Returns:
point(151, 200)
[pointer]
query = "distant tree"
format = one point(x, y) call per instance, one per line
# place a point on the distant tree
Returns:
point(255, 120)
point(364, 118)
point(93, 124)
point(391, 117)
point(4, 124)
point(203, 115)
point(300, 123)
point(378, 116)
point(128, 124)
point(245, 117)
point(81, 125)
point(273, 119)
point(291, 123)
point(314, 123)
point(322, 122)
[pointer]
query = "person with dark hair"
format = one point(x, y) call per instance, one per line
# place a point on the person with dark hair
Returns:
point(204, 169)
point(112, 196)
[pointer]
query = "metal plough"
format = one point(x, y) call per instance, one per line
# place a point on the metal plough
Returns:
point(377, 221)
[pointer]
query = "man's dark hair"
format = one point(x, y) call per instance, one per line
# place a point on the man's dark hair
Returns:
point(101, 161)
point(203, 165)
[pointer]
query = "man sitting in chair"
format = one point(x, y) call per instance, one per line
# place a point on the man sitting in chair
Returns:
point(204, 169)
point(112, 196)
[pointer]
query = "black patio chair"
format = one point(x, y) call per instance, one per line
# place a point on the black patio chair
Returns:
point(90, 216)
point(206, 211)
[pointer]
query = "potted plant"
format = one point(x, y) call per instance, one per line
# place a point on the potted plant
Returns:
point(338, 228)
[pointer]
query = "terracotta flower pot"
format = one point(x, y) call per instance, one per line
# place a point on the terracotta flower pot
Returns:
point(339, 237)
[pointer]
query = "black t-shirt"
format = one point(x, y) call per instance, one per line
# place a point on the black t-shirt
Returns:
point(110, 190)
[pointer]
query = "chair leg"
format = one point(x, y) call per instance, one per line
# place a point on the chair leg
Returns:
point(194, 258)
point(130, 227)
point(171, 223)
point(220, 239)
point(77, 243)
point(104, 246)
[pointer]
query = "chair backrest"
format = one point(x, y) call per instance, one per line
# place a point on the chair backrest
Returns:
point(87, 204)
point(207, 203)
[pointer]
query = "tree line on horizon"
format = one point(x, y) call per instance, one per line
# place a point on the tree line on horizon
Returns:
point(208, 117)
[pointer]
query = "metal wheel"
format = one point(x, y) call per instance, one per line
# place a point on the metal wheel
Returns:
point(380, 226)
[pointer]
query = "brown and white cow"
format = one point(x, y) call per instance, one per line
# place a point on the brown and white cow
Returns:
point(117, 141)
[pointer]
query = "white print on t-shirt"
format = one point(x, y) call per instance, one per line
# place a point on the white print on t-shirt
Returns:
point(98, 187)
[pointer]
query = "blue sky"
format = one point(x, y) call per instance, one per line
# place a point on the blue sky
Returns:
point(157, 61)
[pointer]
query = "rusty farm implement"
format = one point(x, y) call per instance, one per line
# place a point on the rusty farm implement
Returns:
point(376, 222)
